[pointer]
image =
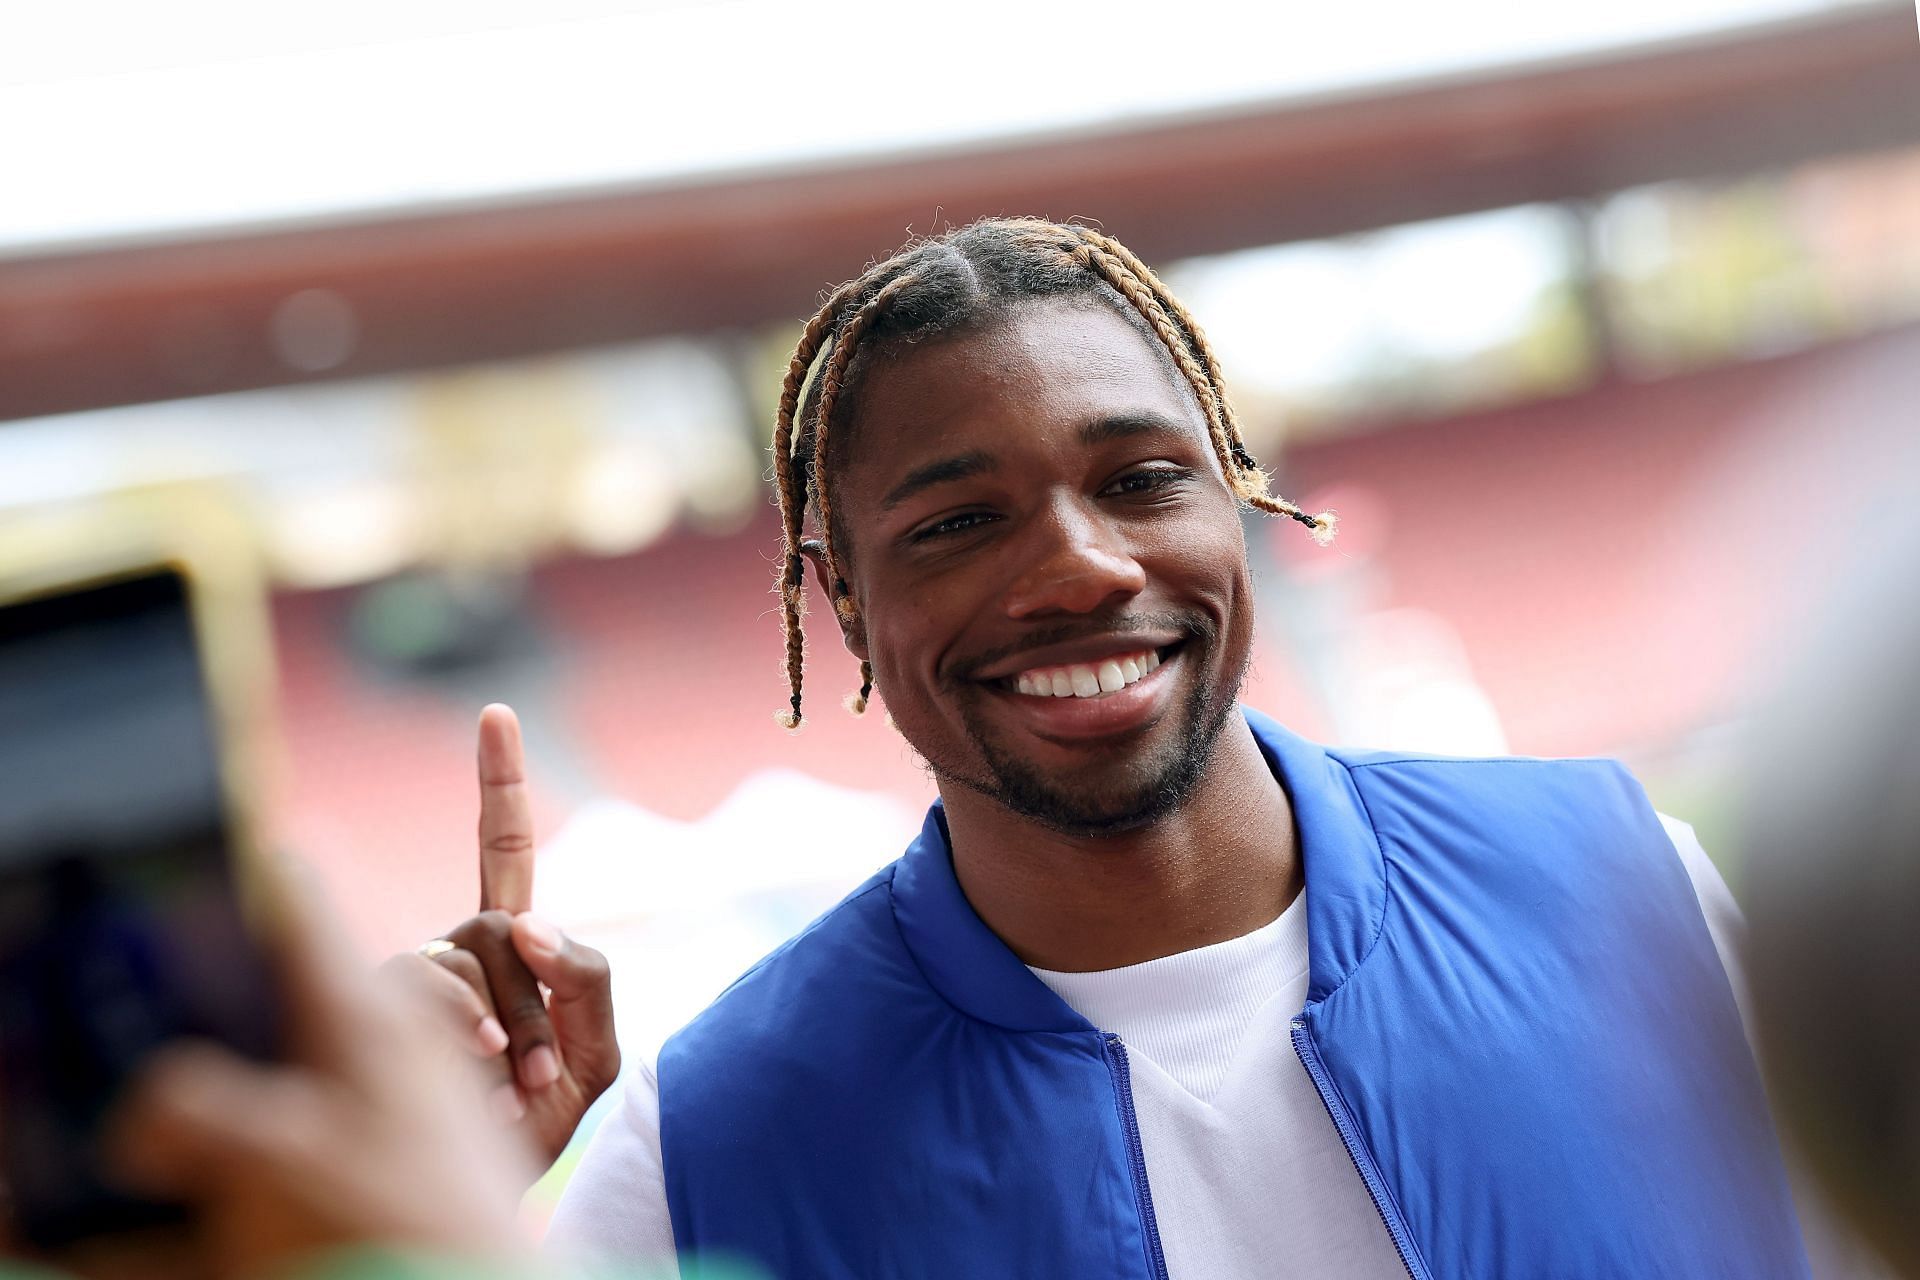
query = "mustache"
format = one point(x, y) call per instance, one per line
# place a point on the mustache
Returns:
point(1193, 626)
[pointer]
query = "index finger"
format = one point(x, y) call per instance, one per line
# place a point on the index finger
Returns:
point(506, 820)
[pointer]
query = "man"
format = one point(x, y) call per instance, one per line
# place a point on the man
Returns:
point(1090, 1025)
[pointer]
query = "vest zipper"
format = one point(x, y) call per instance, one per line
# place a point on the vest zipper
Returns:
point(1362, 1161)
point(1136, 1158)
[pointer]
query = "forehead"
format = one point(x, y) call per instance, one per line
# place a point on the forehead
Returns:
point(1048, 364)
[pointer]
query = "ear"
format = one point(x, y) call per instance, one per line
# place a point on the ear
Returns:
point(853, 631)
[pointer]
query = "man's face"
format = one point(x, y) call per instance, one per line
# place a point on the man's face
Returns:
point(1033, 511)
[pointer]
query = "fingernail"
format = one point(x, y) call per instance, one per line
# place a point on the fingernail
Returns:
point(540, 1068)
point(491, 1036)
point(543, 935)
point(505, 1103)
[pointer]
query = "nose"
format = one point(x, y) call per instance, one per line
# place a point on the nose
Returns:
point(1075, 565)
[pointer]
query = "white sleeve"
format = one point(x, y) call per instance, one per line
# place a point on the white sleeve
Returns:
point(614, 1208)
point(1832, 1251)
point(1725, 924)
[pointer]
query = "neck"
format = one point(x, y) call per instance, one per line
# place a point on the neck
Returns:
point(1221, 866)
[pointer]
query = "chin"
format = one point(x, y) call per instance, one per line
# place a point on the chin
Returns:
point(1114, 787)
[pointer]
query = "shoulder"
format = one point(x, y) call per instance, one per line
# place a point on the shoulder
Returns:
point(807, 1049)
point(813, 1008)
point(1577, 834)
point(1518, 794)
point(1503, 771)
point(790, 983)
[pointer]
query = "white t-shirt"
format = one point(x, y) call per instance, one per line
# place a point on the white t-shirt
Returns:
point(1249, 1176)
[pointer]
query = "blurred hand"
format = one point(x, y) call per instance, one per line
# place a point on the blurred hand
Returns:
point(357, 1139)
point(532, 1004)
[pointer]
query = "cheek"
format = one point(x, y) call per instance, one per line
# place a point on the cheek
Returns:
point(915, 704)
point(901, 649)
point(1205, 555)
point(921, 627)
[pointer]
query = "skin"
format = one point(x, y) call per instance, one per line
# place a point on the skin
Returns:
point(548, 1053)
point(1083, 845)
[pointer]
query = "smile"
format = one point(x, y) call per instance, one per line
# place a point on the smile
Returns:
point(1087, 679)
point(1095, 698)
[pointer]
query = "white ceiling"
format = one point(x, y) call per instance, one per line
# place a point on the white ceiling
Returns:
point(121, 118)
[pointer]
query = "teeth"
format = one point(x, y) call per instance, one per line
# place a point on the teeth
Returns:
point(1083, 680)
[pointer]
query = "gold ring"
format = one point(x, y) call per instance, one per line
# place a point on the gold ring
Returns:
point(437, 947)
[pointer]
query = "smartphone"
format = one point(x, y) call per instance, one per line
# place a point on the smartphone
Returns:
point(123, 920)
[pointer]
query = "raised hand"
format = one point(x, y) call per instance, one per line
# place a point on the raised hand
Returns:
point(530, 1001)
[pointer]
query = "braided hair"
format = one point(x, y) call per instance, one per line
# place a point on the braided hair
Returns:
point(935, 287)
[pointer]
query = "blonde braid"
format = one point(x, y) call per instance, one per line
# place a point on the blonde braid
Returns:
point(793, 500)
point(1107, 268)
point(831, 379)
point(1119, 267)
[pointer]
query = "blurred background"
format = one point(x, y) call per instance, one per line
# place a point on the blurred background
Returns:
point(1599, 325)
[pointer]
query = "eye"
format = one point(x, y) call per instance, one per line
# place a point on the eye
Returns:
point(947, 526)
point(1148, 480)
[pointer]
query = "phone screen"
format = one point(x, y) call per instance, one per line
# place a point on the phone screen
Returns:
point(120, 924)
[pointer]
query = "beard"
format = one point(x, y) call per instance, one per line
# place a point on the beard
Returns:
point(1136, 788)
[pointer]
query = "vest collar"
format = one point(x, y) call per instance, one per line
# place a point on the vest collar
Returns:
point(976, 972)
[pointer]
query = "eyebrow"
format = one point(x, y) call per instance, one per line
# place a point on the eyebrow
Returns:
point(1120, 426)
point(961, 466)
point(943, 471)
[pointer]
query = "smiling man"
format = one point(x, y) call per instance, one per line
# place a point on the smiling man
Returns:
point(1162, 989)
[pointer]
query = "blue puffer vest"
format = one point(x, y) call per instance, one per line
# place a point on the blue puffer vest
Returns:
point(1516, 1019)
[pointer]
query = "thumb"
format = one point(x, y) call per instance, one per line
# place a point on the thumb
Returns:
point(198, 1116)
point(581, 1006)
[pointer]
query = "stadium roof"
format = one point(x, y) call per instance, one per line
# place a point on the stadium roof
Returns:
point(473, 278)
